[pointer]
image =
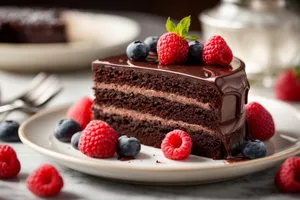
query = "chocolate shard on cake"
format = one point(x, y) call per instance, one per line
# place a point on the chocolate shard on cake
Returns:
point(26, 25)
point(147, 100)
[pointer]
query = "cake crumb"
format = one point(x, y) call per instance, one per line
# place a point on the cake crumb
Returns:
point(126, 158)
point(157, 161)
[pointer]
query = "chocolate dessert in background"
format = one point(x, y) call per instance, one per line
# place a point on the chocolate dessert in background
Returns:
point(146, 101)
point(156, 7)
point(26, 25)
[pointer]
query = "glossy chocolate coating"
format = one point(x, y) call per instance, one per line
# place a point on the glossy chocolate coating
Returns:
point(203, 71)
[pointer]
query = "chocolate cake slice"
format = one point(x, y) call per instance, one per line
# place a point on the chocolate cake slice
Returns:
point(25, 25)
point(147, 100)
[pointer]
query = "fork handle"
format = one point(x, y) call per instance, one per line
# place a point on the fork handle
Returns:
point(11, 107)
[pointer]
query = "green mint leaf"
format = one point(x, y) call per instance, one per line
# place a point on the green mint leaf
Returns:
point(192, 38)
point(170, 26)
point(296, 71)
point(183, 26)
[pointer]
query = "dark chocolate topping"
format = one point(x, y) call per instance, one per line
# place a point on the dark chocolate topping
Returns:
point(203, 71)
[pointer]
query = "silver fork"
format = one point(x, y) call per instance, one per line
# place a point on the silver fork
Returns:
point(40, 91)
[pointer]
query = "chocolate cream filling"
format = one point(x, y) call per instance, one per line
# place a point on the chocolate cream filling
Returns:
point(111, 110)
point(152, 93)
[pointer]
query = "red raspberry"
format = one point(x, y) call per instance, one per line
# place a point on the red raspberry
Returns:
point(288, 176)
point(172, 49)
point(177, 145)
point(287, 85)
point(81, 111)
point(98, 140)
point(9, 163)
point(260, 122)
point(45, 181)
point(216, 51)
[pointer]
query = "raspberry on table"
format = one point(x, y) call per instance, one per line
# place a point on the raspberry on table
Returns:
point(177, 145)
point(288, 177)
point(81, 111)
point(216, 51)
point(9, 163)
point(45, 181)
point(98, 140)
point(287, 85)
point(260, 122)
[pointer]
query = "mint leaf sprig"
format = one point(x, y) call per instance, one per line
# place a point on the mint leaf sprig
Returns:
point(181, 29)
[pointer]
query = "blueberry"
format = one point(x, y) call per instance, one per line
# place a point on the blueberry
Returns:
point(151, 43)
point(195, 52)
point(137, 51)
point(65, 129)
point(254, 149)
point(128, 146)
point(9, 131)
point(75, 140)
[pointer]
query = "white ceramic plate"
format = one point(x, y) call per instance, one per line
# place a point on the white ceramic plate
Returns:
point(150, 166)
point(91, 36)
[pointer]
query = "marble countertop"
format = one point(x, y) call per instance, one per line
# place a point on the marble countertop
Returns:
point(81, 186)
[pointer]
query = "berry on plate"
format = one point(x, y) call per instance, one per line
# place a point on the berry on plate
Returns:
point(137, 51)
point(151, 43)
point(98, 140)
point(216, 51)
point(177, 145)
point(9, 162)
point(254, 149)
point(81, 111)
point(287, 85)
point(259, 121)
point(172, 47)
point(128, 146)
point(287, 178)
point(45, 181)
point(195, 52)
point(75, 140)
point(65, 129)
point(9, 131)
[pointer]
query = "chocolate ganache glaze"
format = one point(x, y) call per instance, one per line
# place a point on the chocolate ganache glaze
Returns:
point(231, 81)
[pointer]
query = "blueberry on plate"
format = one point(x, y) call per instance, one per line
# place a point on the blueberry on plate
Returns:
point(65, 129)
point(9, 131)
point(254, 149)
point(137, 51)
point(75, 140)
point(128, 146)
point(195, 52)
point(151, 43)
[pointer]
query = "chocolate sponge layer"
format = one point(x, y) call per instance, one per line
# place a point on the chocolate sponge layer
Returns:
point(152, 133)
point(161, 107)
point(198, 90)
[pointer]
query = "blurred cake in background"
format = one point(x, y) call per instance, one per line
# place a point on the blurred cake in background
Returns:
point(26, 25)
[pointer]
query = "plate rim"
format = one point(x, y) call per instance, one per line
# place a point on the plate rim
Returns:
point(63, 157)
